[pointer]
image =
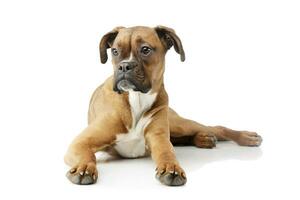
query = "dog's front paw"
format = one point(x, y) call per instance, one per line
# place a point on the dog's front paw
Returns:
point(247, 138)
point(83, 174)
point(204, 140)
point(170, 174)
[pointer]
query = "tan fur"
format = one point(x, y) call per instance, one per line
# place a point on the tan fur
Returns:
point(110, 114)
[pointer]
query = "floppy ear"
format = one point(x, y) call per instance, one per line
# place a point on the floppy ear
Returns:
point(106, 42)
point(169, 38)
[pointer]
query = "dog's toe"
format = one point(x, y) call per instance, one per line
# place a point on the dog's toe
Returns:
point(87, 179)
point(74, 178)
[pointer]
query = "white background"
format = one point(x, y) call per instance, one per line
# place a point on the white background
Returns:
point(241, 71)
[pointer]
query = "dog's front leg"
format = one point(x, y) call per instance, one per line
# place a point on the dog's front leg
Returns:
point(157, 135)
point(81, 153)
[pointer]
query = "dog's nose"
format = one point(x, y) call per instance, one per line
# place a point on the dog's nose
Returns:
point(126, 66)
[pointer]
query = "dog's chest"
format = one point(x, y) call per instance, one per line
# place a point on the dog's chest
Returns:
point(132, 144)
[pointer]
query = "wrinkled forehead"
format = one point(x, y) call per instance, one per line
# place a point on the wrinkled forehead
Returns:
point(135, 36)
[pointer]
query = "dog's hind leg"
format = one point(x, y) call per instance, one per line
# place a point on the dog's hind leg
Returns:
point(189, 132)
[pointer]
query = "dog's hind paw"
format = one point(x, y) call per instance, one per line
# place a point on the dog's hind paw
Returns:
point(247, 138)
point(207, 141)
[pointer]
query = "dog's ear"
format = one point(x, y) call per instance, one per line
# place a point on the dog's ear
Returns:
point(169, 38)
point(106, 43)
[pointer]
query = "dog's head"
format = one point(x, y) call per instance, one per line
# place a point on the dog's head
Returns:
point(138, 55)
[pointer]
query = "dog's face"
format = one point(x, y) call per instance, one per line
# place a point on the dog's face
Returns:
point(138, 55)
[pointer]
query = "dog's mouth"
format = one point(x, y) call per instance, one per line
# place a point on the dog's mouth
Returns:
point(125, 85)
point(128, 84)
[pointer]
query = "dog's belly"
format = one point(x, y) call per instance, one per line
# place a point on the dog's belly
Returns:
point(132, 144)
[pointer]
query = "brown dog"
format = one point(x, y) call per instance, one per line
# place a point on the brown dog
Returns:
point(129, 113)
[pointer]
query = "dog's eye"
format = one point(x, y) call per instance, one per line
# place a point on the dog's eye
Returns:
point(114, 51)
point(146, 50)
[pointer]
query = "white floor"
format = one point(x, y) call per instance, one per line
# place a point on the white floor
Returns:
point(196, 162)
point(37, 171)
point(228, 172)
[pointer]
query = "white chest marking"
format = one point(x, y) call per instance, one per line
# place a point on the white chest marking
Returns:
point(132, 144)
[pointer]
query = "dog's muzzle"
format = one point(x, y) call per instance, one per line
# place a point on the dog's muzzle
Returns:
point(126, 79)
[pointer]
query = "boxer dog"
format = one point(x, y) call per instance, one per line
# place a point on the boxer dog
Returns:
point(129, 113)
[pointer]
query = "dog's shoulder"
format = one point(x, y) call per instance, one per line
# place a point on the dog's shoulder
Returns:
point(102, 99)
